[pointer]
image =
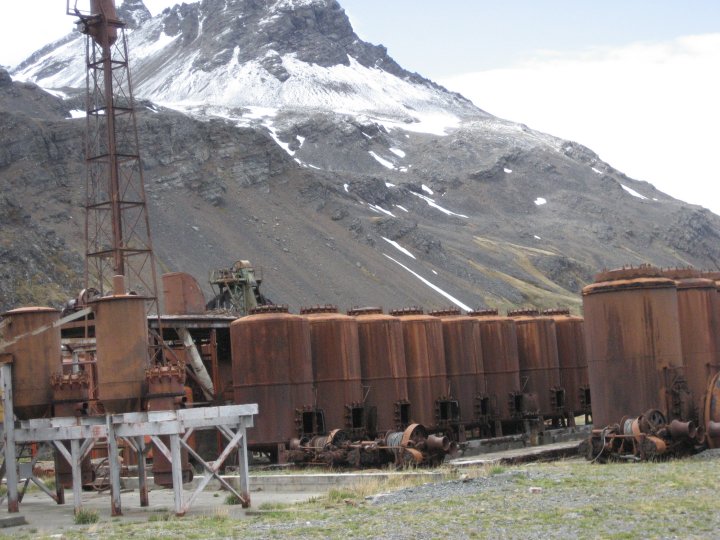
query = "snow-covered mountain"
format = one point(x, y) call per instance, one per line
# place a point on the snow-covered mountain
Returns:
point(270, 131)
point(223, 55)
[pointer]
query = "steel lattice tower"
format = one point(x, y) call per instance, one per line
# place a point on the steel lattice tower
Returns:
point(117, 228)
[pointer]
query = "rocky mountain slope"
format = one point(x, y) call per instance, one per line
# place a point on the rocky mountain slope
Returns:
point(271, 132)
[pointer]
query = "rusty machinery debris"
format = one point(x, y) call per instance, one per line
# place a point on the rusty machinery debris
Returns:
point(238, 288)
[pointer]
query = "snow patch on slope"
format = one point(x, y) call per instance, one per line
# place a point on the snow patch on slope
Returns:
point(397, 246)
point(634, 193)
point(431, 285)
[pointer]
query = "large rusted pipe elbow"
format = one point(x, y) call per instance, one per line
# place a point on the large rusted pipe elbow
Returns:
point(682, 430)
point(438, 444)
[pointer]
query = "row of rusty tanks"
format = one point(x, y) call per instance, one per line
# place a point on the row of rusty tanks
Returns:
point(653, 344)
point(335, 385)
point(367, 373)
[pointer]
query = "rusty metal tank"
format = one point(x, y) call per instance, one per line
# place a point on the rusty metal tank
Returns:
point(182, 294)
point(539, 363)
point(570, 335)
point(272, 366)
point(106, 8)
point(35, 358)
point(382, 367)
point(633, 344)
point(698, 315)
point(498, 338)
point(121, 338)
point(336, 367)
point(463, 362)
point(425, 364)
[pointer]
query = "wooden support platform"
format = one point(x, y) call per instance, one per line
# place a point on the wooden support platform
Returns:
point(231, 421)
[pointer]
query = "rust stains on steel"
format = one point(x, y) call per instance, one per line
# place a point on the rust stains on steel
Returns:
point(633, 343)
point(121, 336)
point(712, 412)
point(698, 316)
point(182, 294)
point(498, 337)
point(336, 367)
point(382, 368)
point(463, 362)
point(572, 360)
point(425, 365)
point(36, 357)
point(539, 363)
point(272, 366)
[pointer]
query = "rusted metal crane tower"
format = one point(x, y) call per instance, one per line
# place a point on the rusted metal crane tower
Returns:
point(117, 228)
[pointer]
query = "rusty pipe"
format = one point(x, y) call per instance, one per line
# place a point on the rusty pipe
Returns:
point(435, 443)
point(682, 430)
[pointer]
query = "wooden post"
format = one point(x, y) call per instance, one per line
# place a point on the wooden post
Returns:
point(9, 439)
point(76, 459)
point(177, 473)
point(114, 464)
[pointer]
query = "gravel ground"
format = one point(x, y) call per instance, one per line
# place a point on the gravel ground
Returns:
point(565, 499)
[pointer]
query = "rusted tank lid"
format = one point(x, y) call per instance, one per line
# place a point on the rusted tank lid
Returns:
point(525, 312)
point(681, 273)
point(483, 313)
point(689, 278)
point(270, 308)
point(415, 310)
point(327, 308)
point(628, 272)
point(445, 312)
point(715, 276)
point(630, 284)
point(354, 312)
point(556, 311)
point(116, 297)
point(30, 309)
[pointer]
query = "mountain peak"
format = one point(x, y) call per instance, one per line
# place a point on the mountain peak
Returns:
point(282, 54)
point(134, 13)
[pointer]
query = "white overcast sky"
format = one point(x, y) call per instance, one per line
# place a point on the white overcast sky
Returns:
point(637, 81)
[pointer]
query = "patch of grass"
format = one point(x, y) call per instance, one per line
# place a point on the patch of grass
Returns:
point(232, 499)
point(274, 506)
point(86, 517)
point(160, 517)
point(496, 469)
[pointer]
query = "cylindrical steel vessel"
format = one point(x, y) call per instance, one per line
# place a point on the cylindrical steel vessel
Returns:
point(633, 344)
point(498, 338)
point(272, 366)
point(382, 367)
point(121, 337)
point(336, 367)
point(698, 312)
point(104, 35)
point(35, 358)
point(425, 365)
point(463, 362)
point(572, 360)
point(539, 364)
point(182, 294)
